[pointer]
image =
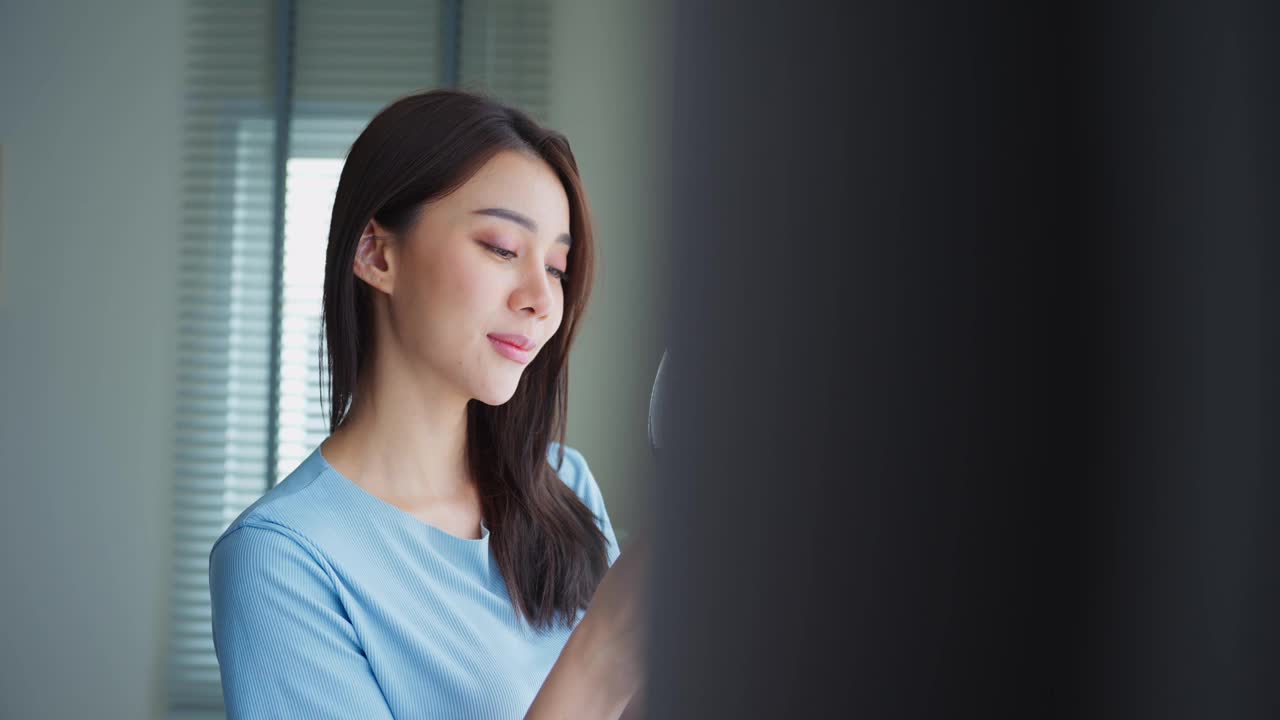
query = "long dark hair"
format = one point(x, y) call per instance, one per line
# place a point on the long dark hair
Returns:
point(421, 147)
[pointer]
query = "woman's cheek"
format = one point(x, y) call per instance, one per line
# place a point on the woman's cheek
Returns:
point(475, 288)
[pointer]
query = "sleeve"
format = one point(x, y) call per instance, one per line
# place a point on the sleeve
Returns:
point(584, 483)
point(285, 646)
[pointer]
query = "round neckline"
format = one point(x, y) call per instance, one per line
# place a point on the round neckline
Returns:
point(387, 508)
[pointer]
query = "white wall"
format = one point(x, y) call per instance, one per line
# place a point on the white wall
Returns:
point(90, 124)
point(89, 121)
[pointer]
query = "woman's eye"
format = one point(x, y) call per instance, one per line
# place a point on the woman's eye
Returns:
point(556, 273)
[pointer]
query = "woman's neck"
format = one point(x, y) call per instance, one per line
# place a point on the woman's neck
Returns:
point(406, 447)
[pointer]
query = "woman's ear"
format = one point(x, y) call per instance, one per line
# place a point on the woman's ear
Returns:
point(374, 259)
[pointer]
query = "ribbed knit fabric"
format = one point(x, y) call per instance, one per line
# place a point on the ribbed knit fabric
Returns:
point(331, 603)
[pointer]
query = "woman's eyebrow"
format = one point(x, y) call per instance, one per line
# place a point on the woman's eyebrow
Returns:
point(521, 220)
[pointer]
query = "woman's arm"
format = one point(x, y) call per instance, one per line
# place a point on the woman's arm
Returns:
point(284, 644)
point(600, 668)
point(635, 708)
point(580, 687)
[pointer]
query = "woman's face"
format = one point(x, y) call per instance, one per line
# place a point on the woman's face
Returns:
point(484, 261)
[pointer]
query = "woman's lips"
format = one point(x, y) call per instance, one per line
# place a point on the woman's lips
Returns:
point(510, 351)
point(520, 341)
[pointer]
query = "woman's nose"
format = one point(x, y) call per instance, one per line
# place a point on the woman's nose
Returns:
point(535, 292)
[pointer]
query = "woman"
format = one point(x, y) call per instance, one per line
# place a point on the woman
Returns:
point(436, 555)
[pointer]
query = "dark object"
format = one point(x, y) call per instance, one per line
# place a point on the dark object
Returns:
point(976, 317)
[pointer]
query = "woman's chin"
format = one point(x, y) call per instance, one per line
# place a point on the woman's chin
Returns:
point(497, 395)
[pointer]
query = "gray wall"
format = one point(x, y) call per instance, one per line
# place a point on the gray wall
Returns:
point(90, 125)
point(606, 96)
point(89, 122)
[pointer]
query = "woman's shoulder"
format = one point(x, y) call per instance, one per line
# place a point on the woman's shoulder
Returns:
point(286, 508)
point(571, 467)
point(576, 473)
point(571, 455)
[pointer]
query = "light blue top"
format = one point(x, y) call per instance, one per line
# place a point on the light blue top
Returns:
point(331, 603)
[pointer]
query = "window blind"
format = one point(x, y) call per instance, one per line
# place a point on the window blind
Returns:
point(506, 50)
point(248, 404)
